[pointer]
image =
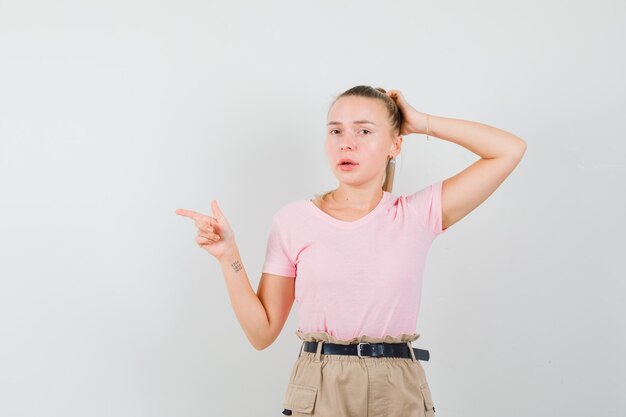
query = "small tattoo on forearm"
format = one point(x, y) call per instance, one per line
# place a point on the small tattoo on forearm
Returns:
point(237, 265)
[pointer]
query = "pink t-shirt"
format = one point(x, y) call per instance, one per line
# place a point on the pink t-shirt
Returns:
point(356, 278)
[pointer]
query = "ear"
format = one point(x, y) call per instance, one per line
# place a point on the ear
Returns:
point(396, 146)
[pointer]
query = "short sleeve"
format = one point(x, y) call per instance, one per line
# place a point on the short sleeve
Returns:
point(427, 203)
point(277, 258)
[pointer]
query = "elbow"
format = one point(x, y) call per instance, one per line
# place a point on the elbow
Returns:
point(517, 152)
point(261, 344)
point(263, 339)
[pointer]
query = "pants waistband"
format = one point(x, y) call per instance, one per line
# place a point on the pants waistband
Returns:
point(365, 349)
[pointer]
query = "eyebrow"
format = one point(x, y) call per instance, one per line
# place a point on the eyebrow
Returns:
point(359, 122)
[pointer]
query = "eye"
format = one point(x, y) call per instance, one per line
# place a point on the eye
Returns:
point(363, 130)
point(334, 130)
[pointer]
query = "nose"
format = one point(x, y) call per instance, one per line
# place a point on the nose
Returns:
point(347, 141)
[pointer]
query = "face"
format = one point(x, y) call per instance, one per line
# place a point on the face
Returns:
point(359, 128)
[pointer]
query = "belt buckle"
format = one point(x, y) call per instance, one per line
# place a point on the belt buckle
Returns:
point(358, 349)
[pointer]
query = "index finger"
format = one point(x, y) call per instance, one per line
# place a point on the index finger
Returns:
point(191, 214)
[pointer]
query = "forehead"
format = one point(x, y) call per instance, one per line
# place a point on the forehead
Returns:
point(347, 110)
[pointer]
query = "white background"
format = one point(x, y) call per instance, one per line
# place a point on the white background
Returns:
point(114, 114)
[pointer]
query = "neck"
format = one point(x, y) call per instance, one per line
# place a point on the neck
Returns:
point(357, 199)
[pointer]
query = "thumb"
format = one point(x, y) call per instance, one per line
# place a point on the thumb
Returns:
point(216, 210)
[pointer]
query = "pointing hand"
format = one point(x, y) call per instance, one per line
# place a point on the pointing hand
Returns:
point(214, 232)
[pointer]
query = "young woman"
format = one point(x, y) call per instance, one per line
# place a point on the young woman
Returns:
point(358, 253)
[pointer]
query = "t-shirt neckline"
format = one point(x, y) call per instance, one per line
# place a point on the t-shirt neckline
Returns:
point(348, 224)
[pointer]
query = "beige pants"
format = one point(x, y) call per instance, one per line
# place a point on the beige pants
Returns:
point(350, 386)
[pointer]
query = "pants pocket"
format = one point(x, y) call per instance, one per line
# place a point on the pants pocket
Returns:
point(429, 407)
point(299, 398)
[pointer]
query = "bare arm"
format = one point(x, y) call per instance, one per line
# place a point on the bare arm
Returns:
point(500, 153)
point(263, 315)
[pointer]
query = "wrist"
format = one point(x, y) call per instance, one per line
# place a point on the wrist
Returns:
point(229, 256)
point(420, 123)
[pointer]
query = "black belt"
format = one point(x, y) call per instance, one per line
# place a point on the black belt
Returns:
point(398, 350)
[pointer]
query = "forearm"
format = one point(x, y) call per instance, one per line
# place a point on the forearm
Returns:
point(484, 140)
point(246, 304)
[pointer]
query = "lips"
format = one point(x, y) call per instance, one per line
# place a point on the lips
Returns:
point(346, 161)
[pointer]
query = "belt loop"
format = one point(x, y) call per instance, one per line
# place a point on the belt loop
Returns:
point(318, 352)
point(411, 351)
point(301, 348)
